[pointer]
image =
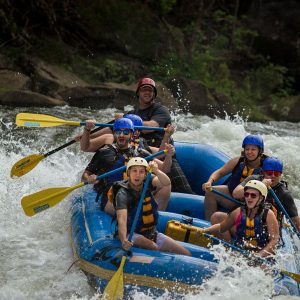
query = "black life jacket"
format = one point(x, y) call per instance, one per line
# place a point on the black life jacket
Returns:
point(148, 216)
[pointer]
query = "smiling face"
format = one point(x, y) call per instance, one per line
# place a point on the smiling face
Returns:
point(136, 175)
point(146, 94)
point(252, 197)
point(251, 152)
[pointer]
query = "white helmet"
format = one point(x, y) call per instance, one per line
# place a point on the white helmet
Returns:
point(257, 185)
point(137, 161)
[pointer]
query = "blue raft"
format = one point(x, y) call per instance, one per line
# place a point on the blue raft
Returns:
point(98, 252)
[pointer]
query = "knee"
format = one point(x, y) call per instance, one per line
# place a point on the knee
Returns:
point(217, 217)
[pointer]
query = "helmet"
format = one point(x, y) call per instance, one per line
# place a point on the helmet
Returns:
point(137, 161)
point(136, 120)
point(252, 139)
point(146, 81)
point(123, 123)
point(257, 185)
point(273, 164)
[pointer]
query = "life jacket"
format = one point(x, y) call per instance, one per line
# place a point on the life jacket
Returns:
point(252, 234)
point(240, 172)
point(148, 216)
point(140, 143)
point(111, 158)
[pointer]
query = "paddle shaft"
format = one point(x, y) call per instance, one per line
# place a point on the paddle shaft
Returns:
point(227, 197)
point(124, 167)
point(139, 206)
point(67, 144)
point(284, 211)
point(216, 240)
point(248, 254)
point(135, 127)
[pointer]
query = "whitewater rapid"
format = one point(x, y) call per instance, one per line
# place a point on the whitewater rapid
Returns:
point(35, 253)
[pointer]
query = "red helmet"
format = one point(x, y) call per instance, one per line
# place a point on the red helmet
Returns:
point(146, 81)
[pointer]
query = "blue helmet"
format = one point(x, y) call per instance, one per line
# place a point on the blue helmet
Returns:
point(273, 164)
point(253, 139)
point(123, 123)
point(136, 120)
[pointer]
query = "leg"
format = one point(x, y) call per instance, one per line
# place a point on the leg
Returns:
point(142, 242)
point(212, 201)
point(163, 196)
point(166, 244)
point(179, 181)
point(216, 218)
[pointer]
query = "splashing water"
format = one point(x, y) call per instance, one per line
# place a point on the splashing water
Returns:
point(35, 253)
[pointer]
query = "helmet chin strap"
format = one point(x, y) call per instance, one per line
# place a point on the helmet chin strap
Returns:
point(259, 202)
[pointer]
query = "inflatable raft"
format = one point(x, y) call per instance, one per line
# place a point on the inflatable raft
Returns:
point(98, 252)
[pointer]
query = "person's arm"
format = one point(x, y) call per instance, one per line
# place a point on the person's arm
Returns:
point(167, 163)
point(225, 225)
point(221, 172)
point(122, 228)
point(273, 232)
point(161, 179)
point(93, 145)
point(160, 117)
point(170, 129)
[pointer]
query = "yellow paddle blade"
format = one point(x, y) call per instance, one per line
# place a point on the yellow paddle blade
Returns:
point(26, 164)
point(38, 120)
point(295, 276)
point(115, 288)
point(42, 200)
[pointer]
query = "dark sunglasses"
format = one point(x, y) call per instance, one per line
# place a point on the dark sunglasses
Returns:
point(119, 131)
point(271, 173)
point(251, 195)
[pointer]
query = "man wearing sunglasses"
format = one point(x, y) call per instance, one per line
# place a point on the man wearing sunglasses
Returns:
point(114, 155)
point(271, 177)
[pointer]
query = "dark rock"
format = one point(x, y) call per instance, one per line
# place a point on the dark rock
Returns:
point(192, 96)
point(28, 98)
point(12, 80)
point(111, 95)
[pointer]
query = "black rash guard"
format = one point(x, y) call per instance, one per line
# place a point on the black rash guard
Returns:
point(158, 113)
point(281, 192)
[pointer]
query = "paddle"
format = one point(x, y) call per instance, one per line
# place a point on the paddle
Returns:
point(38, 120)
point(248, 254)
point(284, 211)
point(227, 197)
point(42, 200)
point(115, 287)
point(26, 164)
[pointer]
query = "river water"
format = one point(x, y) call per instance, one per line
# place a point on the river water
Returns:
point(35, 253)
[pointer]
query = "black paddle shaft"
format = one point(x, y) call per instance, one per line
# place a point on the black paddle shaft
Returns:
point(67, 144)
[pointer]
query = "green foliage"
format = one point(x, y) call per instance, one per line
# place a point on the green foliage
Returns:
point(166, 6)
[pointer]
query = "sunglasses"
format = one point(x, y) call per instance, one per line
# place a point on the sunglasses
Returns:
point(251, 195)
point(125, 131)
point(272, 173)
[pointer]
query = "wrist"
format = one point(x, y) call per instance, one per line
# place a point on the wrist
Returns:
point(86, 129)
